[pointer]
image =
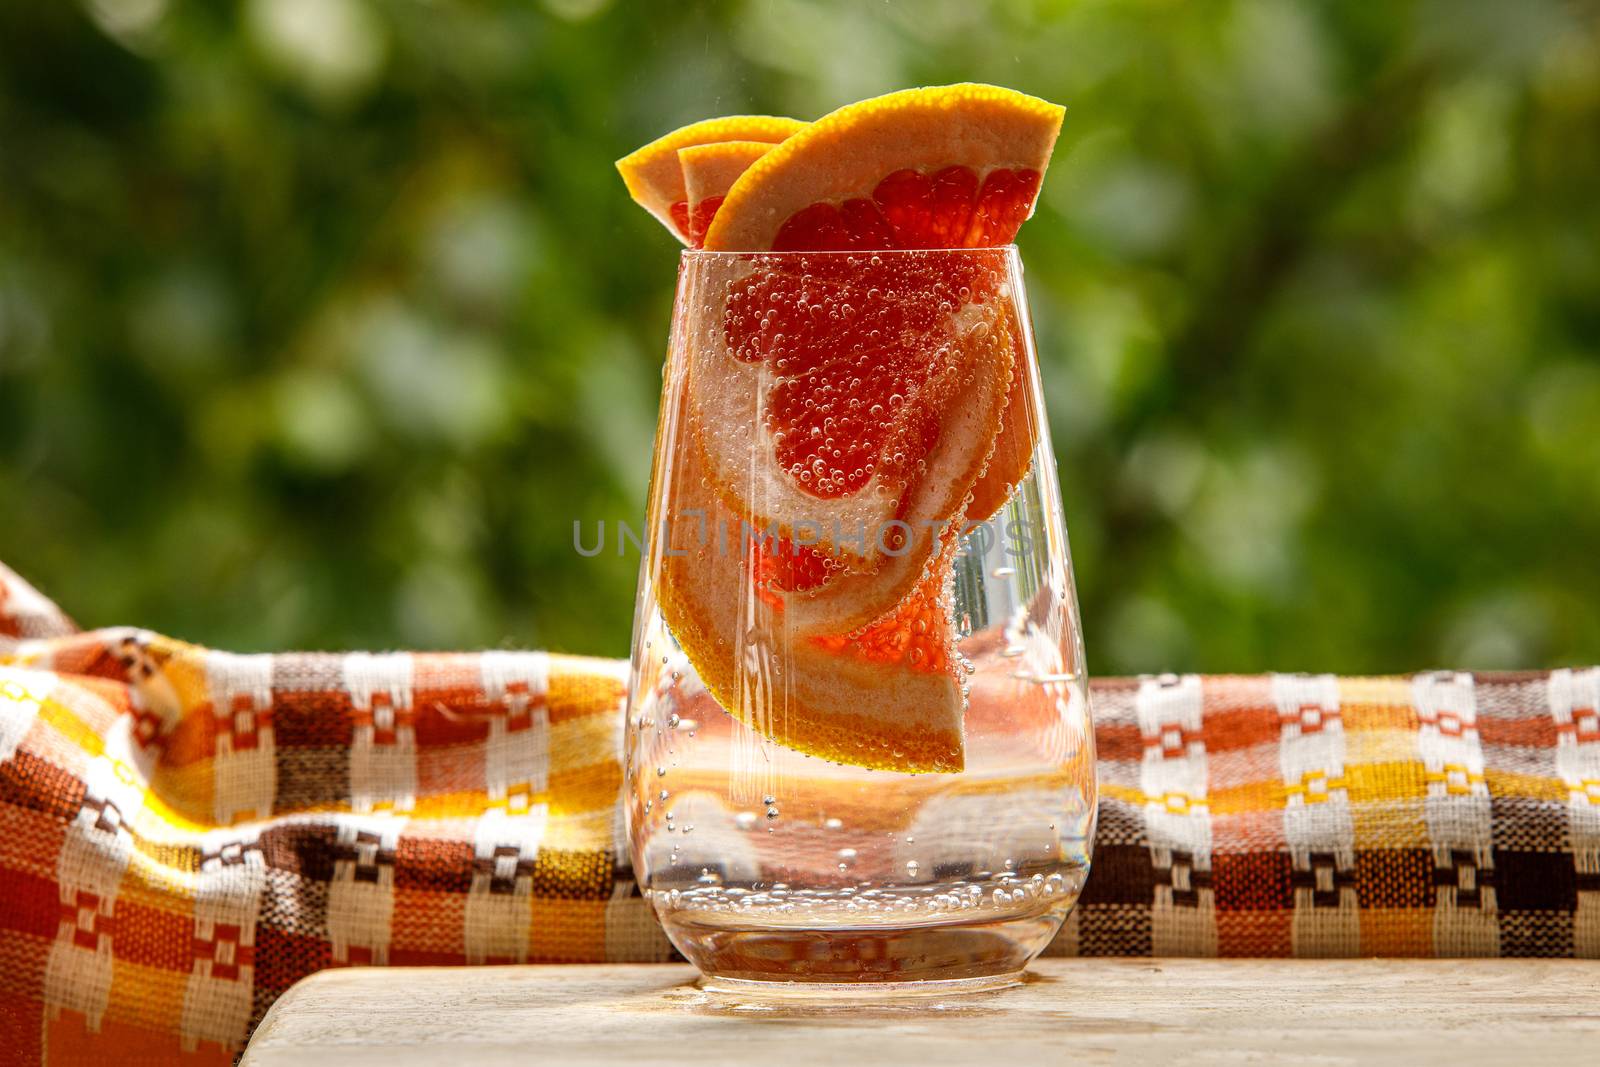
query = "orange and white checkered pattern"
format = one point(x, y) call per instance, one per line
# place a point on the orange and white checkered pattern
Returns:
point(185, 833)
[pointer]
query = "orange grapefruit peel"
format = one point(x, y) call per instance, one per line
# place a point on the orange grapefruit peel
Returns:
point(1013, 447)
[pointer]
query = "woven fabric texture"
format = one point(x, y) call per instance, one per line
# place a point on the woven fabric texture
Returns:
point(184, 832)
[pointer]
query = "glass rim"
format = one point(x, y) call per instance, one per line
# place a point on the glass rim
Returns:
point(704, 253)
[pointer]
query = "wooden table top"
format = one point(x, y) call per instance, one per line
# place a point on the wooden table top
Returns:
point(1084, 1011)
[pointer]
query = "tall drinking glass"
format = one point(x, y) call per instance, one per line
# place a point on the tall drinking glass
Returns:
point(858, 739)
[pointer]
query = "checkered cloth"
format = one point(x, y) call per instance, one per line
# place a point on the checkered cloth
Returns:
point(184, 832)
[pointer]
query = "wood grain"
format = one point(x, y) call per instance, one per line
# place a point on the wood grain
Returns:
point(1086, 1011)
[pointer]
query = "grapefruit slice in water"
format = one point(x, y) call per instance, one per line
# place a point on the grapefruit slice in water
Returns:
point(655, 179)
point(887, 695)
point(850, 406)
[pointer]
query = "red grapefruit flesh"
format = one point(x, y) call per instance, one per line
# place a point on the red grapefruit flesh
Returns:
point(655, 179)
point(850, 406)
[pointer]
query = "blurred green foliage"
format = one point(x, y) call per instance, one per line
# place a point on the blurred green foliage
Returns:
point(321, 321)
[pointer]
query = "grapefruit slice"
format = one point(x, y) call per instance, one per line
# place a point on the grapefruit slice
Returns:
point(655, 179)
point(868, 394)
point(1013, 448)
point(709, 171)
point(887, 695)
point(946, 167)
point(850, 406)
point(953, 166)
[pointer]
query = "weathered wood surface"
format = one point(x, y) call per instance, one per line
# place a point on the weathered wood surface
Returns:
point(1087, 1011)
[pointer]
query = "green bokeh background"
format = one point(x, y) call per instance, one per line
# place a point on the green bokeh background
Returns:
point(321, 321)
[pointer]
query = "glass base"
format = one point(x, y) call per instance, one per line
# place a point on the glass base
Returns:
point(858, 991)
point(973, 955)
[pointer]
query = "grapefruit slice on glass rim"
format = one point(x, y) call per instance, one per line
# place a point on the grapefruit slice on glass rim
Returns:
point(954, 166)
point(842, 393)
point(709, 171)
point(655, 179)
